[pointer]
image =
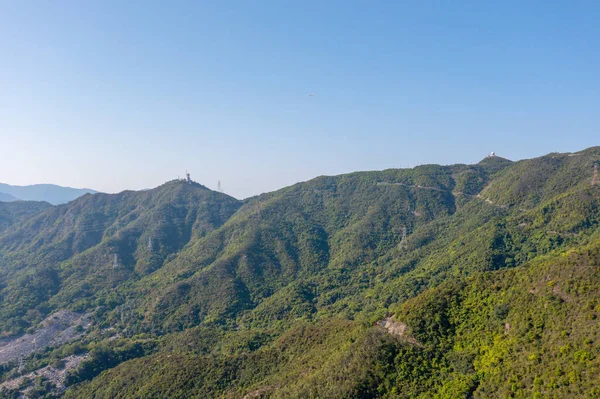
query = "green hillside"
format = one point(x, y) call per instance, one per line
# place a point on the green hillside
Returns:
point(63, 256)
point(14, 212)
point(438, 281)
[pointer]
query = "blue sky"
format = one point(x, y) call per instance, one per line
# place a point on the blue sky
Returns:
point(118, 95)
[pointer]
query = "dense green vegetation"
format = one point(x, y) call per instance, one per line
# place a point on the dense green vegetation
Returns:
point(492, 269)
point(13, 213)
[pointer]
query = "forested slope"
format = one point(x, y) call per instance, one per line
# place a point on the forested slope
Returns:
point(14, 212)
point(487, 273)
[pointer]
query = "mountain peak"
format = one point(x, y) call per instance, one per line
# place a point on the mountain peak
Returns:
point(492, 158)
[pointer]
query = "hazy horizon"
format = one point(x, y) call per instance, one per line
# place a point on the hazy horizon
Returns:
point(277, 188)
point(113, 96)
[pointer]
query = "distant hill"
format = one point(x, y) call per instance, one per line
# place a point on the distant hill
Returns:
point(7, 197)
point(42, 192)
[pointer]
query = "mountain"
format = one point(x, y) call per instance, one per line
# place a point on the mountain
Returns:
point(14, 212)
point(50, 193)
point(459, 281)
point(7, 198)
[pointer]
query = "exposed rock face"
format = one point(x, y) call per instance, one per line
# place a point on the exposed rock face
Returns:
point(397, 329)
point(257, 393)
point(393, 327)
point(58, 328)
point(56, 376)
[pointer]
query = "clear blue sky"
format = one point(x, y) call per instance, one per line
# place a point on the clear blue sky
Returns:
point(117, 95)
